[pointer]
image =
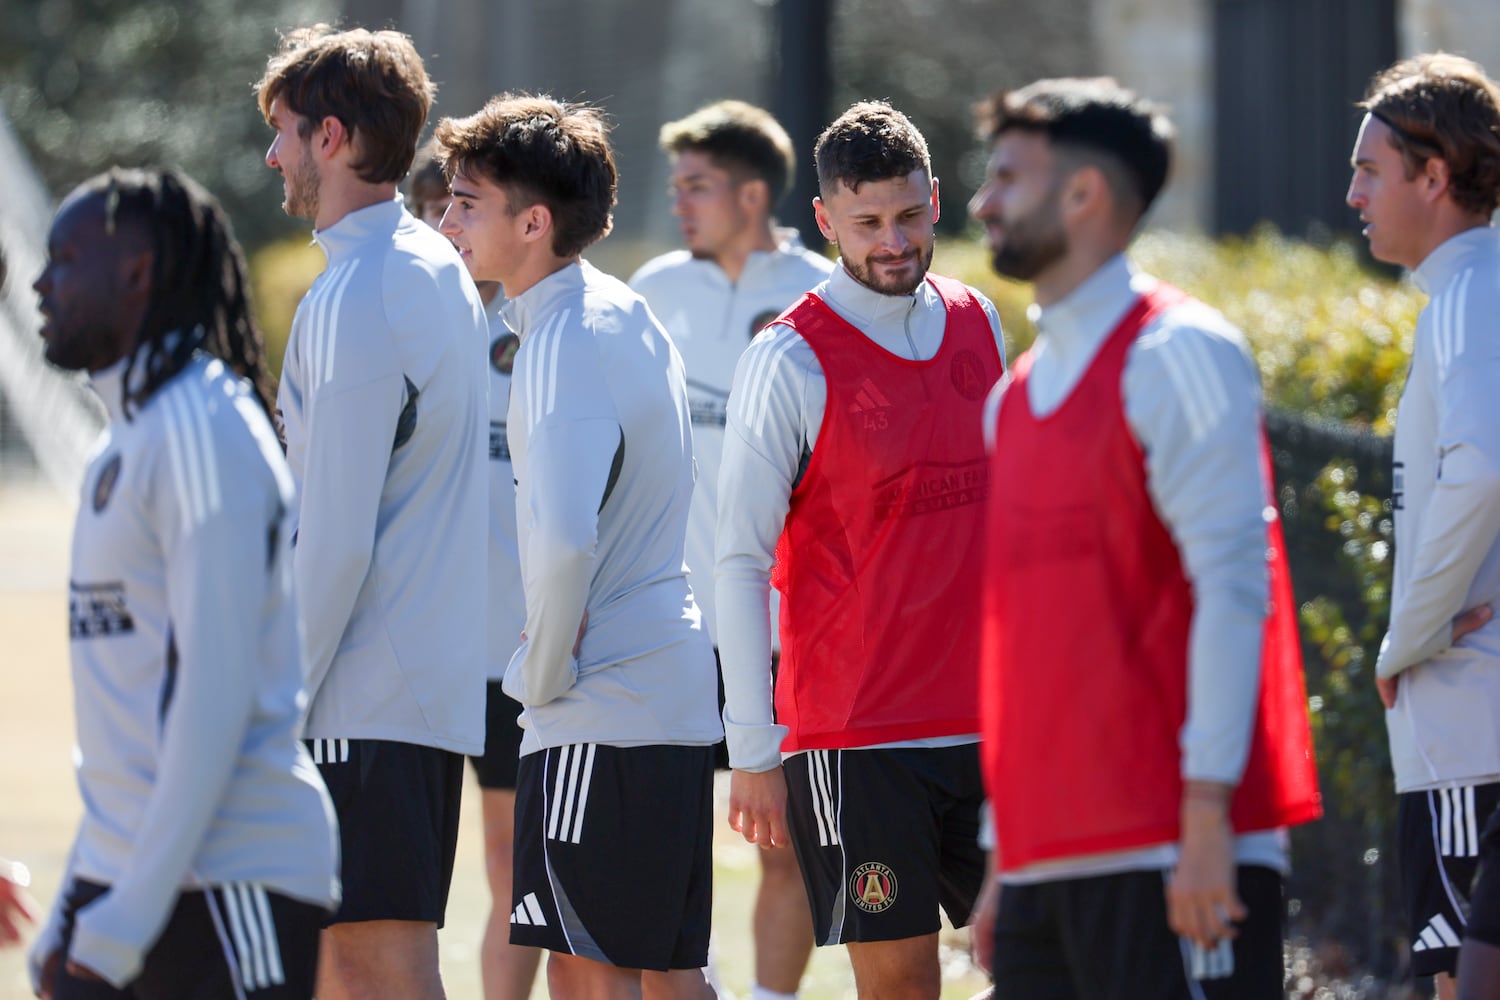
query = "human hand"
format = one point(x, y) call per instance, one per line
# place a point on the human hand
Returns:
point(757, 807)
point(982, 923)
point(1202, 904)
point(16, 905)
point(1470, 621)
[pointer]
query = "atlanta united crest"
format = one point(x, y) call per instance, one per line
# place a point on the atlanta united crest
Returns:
point(104, 486)
point(873, 887)
point(503, 352)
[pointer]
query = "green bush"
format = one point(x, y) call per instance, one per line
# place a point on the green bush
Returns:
point(1331, 337)
point(280, 274)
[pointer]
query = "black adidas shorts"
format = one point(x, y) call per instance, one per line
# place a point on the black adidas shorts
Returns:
point(1107, 938)
point(496, 769)
point(232, 935)
point(1437, 834)
point(1484, 903)
point(613, 854)
point(884, 837)
point(397, 805)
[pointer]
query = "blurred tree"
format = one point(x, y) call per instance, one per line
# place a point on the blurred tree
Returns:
point(90, 83)
point(933, 59)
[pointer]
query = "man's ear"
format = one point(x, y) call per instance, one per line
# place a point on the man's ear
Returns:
point(136, 272)
point(754, 196)
point(537, 220)
point(937, 208)
point(825, 225)
point(330, 136)
point(1437, 177)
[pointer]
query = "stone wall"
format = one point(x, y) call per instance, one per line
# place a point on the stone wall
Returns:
point(1162, 49)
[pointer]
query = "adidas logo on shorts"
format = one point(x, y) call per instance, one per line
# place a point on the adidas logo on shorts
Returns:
point(529, 912)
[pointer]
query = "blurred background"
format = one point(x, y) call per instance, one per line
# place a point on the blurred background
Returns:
point(1262, 92)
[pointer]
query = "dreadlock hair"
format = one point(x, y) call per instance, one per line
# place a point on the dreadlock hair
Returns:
point(199, 284)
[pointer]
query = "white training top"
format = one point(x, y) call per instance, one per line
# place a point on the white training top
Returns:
point(1193, 401)
point(775, 411)
point(1447, 511)
point(602, 445)
point(187, 677)
point(712, 320)
point(383, 402)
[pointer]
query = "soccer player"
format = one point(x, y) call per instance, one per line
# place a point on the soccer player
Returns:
point(613, 869)
point(507, 970)
point(853, 461)
point(1426, 180)
point(1145, 721)
point(207, 857)
point(731, 164)
point(383, 401)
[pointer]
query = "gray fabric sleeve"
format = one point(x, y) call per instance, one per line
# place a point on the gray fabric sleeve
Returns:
point(217, 578)
point(763, 442)
point(1192, 398)
point(569, 467)
point(1462, 519)
point(348, 453)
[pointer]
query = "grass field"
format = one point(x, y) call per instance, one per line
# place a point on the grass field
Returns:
point(39, 803)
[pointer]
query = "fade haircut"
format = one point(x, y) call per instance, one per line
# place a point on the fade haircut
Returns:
point(740, 138)
point(872, 141)
point(373, 82)
point(1092, 121)
point(199, 283)
point(427, 182)
point(542, 151)
point(1439, 105)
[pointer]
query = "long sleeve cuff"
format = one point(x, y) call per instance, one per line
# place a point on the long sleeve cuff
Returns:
point(754, 748)
point(103, 948)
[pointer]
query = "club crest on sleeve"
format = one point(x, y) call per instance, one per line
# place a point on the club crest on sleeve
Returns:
point(503, 352)
point(762, 320)
point(873, 887)
point(104, 486)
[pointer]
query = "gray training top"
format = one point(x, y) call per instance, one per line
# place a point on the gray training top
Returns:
point(187, 676)
point(602, 445)
point(1447, 511)
point(383, 402)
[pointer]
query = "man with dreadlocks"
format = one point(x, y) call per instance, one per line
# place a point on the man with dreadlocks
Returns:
point(207, 857)
point(384, 400)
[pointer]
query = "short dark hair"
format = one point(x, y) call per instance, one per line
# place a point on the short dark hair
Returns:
point(872, 141)
point(1442, 105)
point(427, 182)
point(373, 82)
point(1095, 119)
point(543, 151)
point(738, 137)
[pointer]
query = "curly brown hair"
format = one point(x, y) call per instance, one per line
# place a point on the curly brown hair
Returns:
point(1444, 106)
point(373, 82)
point(872, 141)
point(542, 151)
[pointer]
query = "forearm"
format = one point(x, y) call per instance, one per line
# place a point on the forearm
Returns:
point(569, 470)
point(1456, 533)
point(348, 458)
point(754, 497)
